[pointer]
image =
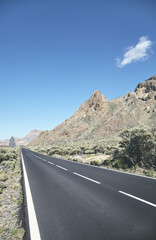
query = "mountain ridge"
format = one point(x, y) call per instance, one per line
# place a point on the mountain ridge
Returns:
point(98, 117)
point(23, 141)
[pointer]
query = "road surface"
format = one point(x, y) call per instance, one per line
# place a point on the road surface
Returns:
point(72, 201)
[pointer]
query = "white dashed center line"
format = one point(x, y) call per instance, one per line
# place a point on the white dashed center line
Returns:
point(90, 179)
point(51, 163)
point(139, 199)
point(61, 167)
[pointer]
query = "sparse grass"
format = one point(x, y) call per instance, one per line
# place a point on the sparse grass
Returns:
point(10, 165)
point(13, 200)
point(148, 173)
point(3, 176)
point(20, 201)
point(13, 165)
point(4, 229)
point(14, 232)
point(16, 173)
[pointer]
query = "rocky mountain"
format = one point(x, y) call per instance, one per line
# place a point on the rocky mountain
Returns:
point(99, 118)
point(23, 141)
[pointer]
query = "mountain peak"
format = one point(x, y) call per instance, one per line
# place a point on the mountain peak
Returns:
point(96, 100)
point(147, 89)
point(97, 97)
point(98, 118)
point(151, 78)
point(97, 92)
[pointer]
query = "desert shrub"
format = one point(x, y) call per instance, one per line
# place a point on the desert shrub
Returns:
point(98, 149)
point(7, 154)
point(95, 162)
point(121, 163)
point(50, 152)
point(73, 152)
point(148, 173)
point(106, 162)
point(54, 151)
point(3, 176)
point(67, 157)
point(1, 190)
point(43, 150)
point(109, 150)
point(137, 147)
point(117, 164)
point(59, 150)
point(89, 151)
point(76, 151)
point(75, 159)
point(82, 150)
point(64, 151)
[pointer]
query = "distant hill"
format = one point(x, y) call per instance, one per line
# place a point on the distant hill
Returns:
point(99, 118)
point(23, 141)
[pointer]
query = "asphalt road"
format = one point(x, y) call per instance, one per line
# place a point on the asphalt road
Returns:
point(73, 201)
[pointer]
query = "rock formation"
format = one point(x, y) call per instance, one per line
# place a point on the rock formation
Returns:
point(98, 118)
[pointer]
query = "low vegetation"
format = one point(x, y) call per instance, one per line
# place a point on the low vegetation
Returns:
point(137, 148)
point(134, 150)
point(11, 196)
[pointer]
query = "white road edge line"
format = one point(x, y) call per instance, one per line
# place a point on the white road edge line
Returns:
point(139, 199)
point(33, 224)
point(90, 179)
point(62, 167)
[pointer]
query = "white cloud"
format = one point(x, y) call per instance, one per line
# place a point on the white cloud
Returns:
point(138, 53)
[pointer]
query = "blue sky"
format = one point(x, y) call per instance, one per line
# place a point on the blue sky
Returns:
point(55, 53)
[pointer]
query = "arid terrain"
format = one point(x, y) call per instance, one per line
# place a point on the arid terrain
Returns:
point(11, 195)
point(119, 133)
point(98, 118)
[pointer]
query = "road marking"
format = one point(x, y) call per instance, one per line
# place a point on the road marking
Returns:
point(33, 224)
point(104, 168)
point(139, 199)
point(62, 167)
point(51, 163)
point(40, 158)
point(90, 179)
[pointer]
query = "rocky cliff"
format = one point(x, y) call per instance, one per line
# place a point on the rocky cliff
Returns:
point(98, 118)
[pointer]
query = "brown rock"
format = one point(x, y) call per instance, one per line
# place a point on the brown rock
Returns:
point(98, 118)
